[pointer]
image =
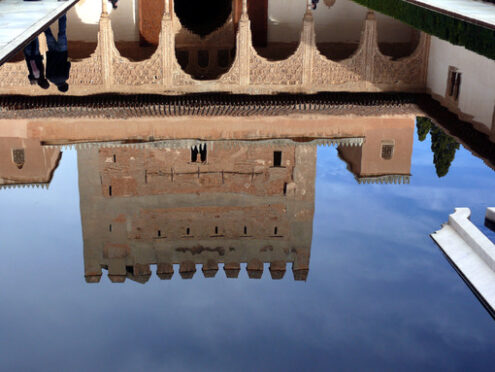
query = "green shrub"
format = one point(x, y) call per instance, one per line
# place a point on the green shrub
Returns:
point(476, 38)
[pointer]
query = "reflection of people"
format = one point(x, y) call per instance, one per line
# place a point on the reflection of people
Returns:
point(57, 64)
point(34, 61)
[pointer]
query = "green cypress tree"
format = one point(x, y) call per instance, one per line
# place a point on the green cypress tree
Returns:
point(444, 148)
point(423, 126)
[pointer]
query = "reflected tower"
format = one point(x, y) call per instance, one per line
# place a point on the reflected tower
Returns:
point(187, 203)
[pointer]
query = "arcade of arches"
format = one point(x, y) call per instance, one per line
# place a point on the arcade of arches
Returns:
point(275, 46)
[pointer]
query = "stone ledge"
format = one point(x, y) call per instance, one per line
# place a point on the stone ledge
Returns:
point(490, 214)
point(471, 253)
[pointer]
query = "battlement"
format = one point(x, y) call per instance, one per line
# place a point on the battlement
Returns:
point(141, 273)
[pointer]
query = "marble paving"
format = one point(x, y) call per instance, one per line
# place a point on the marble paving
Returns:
point(478, 12)
point(21, 20)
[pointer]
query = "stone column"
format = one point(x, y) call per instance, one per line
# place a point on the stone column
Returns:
point(369, 41)
point(105, 46)
point(167, 46)
point(244, 43)
point(308, 42)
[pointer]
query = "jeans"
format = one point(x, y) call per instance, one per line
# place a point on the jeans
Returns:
point(59, 45)
point(33, 49)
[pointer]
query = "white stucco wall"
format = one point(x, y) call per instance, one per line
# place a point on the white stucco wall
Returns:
point(83, 18)
point(342, 22)
point(477, 91)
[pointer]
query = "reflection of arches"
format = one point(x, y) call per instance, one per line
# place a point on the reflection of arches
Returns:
point(338, 29)
point(396, 39)
point(82, 28)
point(284, 26)
point(203, 17)
point(205, 57)
point(125, 26)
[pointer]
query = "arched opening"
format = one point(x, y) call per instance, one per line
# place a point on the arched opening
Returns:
point(203, 17)
point(282, 20)
point(82, 28)
point(338, 27)
point(136, 28)
point(205, 44)
point(396, 39)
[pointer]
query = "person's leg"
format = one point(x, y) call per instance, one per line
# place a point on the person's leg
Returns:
point(50, 39)
point(62, 36)
point(32, 49)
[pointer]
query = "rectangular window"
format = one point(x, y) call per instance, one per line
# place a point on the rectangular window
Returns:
point(277, 158)
point(200, 150)
point(387, 150)
point(454, 83)
point(194, 154)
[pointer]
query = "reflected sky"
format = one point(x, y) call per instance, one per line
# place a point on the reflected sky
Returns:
point(379, 296)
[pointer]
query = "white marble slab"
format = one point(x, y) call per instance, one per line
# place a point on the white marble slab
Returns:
point(490, 214)
point(21, 20)
point(471, 252)
point(476, 11)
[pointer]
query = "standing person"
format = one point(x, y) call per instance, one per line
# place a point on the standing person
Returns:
point(34, 61)
point(57, 64)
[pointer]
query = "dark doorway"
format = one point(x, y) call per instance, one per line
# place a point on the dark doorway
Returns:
point(203, 17)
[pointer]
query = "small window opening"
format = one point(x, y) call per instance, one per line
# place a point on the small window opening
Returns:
point(18, 157)
point(159, 233)
point(387, 151)
point(285, 188)
point(110, 190)
point(202, 152)
point(114, 158)
point(130, 269)
point(275, 230)
point(194, 154)
point(245, 230)
point(110, 227)
point(188, 231)
point(454, 83)
point(277, 158)
point(216, 230)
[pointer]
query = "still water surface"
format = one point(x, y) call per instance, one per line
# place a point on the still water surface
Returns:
point(379, 294)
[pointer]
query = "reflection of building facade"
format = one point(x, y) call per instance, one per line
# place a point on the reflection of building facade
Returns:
point(26, 163)
point(187, 202)
point(202, 205)
point(385, 156)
